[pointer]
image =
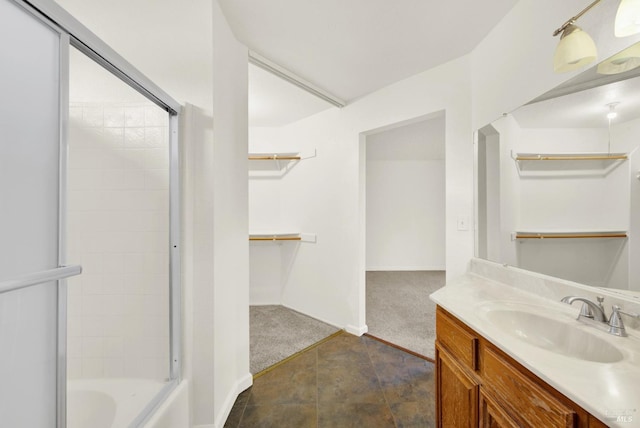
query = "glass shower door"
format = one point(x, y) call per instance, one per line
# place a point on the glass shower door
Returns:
point(30, 111)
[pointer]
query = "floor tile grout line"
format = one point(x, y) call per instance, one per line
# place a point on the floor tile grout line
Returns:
point(386, 401)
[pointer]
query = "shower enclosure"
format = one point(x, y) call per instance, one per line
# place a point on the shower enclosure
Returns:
point(118, 343)
point(88, 176)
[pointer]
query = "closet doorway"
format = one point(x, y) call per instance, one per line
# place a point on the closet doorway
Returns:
point(279, 328)
point(405, 231)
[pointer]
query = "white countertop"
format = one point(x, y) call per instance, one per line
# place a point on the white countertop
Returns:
point(609, 391)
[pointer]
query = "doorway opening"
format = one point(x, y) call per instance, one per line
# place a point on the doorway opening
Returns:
point(405, 231)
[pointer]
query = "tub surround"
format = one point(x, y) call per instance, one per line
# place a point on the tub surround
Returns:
point(608, 390)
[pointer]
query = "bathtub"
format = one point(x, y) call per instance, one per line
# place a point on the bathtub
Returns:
point(108, 403)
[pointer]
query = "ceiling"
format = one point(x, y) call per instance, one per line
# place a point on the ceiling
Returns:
point(584, 109)
point(348, 48)
point(274, 102)
point(352, 48)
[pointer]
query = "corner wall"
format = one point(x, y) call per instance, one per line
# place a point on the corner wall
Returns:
point(230, 218)
point(327, 279)
point(405, 181)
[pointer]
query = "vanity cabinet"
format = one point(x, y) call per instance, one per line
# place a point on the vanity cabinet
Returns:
point(457, 398)
point(479, 385)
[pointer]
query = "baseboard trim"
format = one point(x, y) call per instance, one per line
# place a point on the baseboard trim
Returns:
point(245, 382)
point(261, 297)
point(355, 330)
point(403, 268)
point(240, 385)
point(265, 303)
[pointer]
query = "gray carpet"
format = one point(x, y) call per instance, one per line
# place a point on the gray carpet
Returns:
point(277, 332)
point(399, 309)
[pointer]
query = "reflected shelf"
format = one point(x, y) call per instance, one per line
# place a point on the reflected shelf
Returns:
point(588, 163)
point(281, 236)
point(274, 157)
point(572, 234)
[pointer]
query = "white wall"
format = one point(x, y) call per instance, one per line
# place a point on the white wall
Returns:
point(265, 275)
point(405, 198)
point(230, 219)
point(488, 221)
point(270, 261)
point(624, 138)
point(493, 192)
point(327, 279)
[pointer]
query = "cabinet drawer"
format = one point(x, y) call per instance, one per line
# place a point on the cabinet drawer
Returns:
point(531, 406)
point(460, 343)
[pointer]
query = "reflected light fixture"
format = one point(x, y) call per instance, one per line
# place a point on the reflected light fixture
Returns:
point(612, 114)
point(625, 60)
point(576, 48)
point(627, 18)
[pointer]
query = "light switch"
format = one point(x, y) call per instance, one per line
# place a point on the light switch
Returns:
point(463, 223)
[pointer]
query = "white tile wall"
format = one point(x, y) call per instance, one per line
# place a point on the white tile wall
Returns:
point(118, 323)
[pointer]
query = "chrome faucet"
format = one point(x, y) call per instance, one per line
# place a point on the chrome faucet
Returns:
point(593, 313)
point(616, 326)
point(589, 310)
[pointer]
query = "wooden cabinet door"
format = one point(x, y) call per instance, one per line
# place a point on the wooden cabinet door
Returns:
point(457, 393)
point(492, 415)
point(530, 404)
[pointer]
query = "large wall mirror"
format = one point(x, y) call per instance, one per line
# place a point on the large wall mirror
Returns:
point(558, 182)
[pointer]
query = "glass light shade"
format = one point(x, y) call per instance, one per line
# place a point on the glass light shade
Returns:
point(627, 18)
point(625, 60)
point(576, 49)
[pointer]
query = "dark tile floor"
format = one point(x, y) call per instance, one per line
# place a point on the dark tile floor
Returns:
point(347, 381)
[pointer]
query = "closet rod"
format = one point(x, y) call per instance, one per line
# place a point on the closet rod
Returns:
point(275, 238)
point(274, 157)
point(572, 236)
point(554, 158)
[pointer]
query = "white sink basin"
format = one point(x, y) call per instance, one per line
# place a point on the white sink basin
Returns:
point(554, 335)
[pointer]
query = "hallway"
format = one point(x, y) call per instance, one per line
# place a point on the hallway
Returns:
point(346, 381)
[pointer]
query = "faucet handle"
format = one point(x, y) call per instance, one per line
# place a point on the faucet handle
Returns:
point(617, 308)
point(616, 326)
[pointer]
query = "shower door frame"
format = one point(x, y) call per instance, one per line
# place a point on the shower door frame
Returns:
point(73, 33)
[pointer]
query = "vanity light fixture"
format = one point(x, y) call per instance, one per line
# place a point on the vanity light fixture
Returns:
point(627, 18)
point(576, 47)
point(625, 60)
